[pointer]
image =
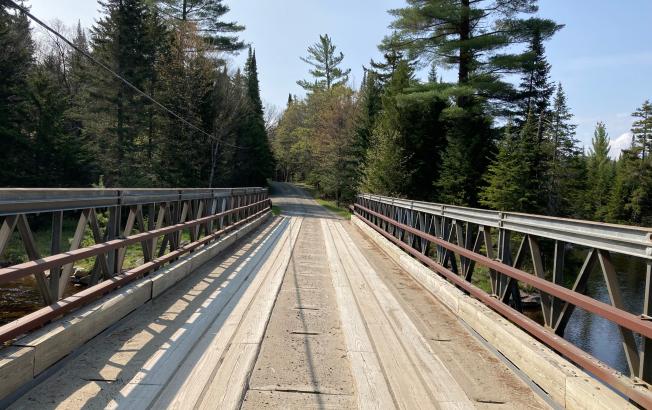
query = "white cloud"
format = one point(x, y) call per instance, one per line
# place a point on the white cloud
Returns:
point(624, 141)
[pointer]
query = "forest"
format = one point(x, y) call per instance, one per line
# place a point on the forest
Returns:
point(500, 136)
point(483, 140)
point(65, 121)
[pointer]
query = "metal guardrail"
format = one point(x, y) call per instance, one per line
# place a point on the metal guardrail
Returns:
point(451, 240)
point(628, 240)
point(151, 219)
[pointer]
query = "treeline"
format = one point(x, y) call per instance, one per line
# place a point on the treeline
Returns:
point(65, 121)
point(478, 141)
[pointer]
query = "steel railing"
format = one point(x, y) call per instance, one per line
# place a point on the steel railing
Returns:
point(152, 220)
point(452, 240)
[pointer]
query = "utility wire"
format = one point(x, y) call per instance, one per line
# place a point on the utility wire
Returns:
point(11, 3)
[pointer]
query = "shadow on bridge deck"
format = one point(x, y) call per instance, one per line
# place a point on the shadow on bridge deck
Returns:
point(155, 348)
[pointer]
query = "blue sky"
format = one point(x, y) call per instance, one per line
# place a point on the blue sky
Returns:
point(603, 56)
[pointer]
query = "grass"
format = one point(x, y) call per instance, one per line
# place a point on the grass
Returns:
point(276, 210)
point(329, 204)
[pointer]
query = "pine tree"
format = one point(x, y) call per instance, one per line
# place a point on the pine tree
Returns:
point(186, 84)
point(370, 105)
point(535, 89)
point(326, 69)
point(563, 164)
point(470, 35)
point(388, 170)
point(392, 57)
point(512, 183)
point(410, 121)
point(254, 160)
point(469, 145)
point(432, 74)
point(600, 173)
point(128, 39)
point(16, 61)
point(642, 129)
point(208, 17)
point(630, 185)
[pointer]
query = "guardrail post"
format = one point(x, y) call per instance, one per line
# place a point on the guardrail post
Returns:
point(55, 248)
point(645, 368)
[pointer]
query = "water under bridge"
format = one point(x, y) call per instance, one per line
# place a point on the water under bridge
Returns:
point(407, 305)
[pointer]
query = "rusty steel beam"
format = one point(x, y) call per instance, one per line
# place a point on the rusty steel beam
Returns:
point(557, 343)
point(44, 315)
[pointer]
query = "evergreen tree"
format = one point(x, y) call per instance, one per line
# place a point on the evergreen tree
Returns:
point(432, 74)
point(254, 161)
point(472, 36)
point(512, 183)
point(186, 83)
point(631, 197)
point(469, 146)
point(411, 122)
point(642, 129)
point(535, 89)
point(128, 39)
point(563, 168)
point(208, 16)
point(326, 66)
point(370, 105)
point(600, 173)
point(392, 57)
point(388, 170)
point(16, 61)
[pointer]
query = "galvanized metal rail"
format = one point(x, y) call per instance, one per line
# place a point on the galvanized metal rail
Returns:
point(153, 219)
point(451, 240)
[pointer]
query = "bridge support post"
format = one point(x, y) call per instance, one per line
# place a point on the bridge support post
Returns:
point(645, 355)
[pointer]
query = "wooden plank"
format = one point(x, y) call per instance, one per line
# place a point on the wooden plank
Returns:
point(16, 368)
point(442, 385)
point(57, 340)
point(228, 387)
point(248, 320)
point(171, 355)
point(408, 389)
point(372, 389)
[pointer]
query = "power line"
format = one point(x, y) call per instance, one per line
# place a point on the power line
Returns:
point(23, 10)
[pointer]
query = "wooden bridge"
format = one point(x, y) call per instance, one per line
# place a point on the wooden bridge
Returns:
point(231, 307)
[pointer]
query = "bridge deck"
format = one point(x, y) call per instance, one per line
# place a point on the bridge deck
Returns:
point(306, 314)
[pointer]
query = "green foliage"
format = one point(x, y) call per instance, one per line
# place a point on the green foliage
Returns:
point(512, 184)
point(69, 123)
point(129, 38)
point(563, 169)
point(408, 134)
point(535, 89)
point(325, 63)
point(218, 34)
point(474, 36)
point(464, 160)
point(631, 196)
point(600, 174)
point(642, 129)
point(254, 163)
point(15, 64)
